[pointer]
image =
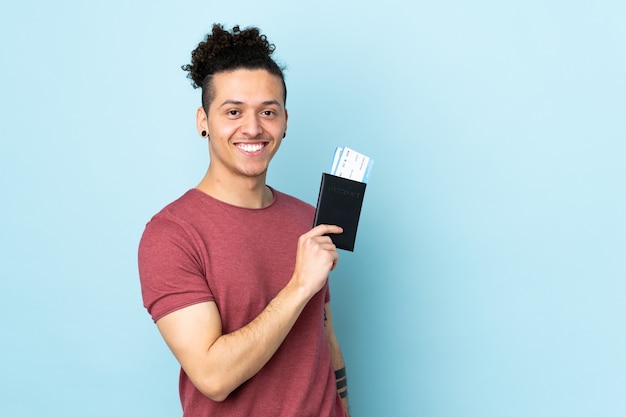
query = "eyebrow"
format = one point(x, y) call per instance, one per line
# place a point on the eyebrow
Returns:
point(239, 103)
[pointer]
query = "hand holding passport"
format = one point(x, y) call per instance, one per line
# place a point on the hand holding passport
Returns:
point(341, 195)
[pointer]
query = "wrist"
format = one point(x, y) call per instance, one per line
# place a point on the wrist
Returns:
point(301, 288)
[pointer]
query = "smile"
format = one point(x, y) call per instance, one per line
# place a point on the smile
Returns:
point(251, 147)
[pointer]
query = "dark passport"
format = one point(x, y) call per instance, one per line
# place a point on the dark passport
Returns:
point(339, 202)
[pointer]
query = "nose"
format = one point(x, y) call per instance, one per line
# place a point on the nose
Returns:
point(250, 126)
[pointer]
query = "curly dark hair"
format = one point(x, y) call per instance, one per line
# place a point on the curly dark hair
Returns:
point(224, 51)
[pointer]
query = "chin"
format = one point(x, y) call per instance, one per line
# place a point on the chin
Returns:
point(254, 173)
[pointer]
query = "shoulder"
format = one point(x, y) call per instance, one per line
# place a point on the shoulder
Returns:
point(183, 206)
point(288, 204)
point(287, 200)
point(183, 211)
point(174, 219)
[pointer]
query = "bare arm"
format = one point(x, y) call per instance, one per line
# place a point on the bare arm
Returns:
point(336, 358)
point(218, 363)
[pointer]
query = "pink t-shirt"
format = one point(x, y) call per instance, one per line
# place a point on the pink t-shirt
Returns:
point(200, 249)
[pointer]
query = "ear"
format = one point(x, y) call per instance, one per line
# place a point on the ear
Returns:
point(286, 118)
point(202, 121)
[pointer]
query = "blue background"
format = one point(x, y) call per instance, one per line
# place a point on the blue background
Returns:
point(489, 273)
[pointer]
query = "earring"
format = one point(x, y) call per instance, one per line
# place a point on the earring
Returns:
point(204, 133)
point(284, 135)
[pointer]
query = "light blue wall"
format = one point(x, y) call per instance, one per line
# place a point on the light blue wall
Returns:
point(489, 274)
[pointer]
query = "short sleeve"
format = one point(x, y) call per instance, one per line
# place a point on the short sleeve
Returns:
point(171, 268)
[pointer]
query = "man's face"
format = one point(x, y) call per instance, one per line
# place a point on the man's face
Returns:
point(246, 122)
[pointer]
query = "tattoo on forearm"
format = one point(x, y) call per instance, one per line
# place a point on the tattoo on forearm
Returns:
point(342, 382)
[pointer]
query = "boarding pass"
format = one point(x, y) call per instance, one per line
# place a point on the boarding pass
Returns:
point(350, 164)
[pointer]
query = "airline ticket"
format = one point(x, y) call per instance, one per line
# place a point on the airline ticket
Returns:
point(350, 164)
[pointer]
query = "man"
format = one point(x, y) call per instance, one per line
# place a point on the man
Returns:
point(231, 272)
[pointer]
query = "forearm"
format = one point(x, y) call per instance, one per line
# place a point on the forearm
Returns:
point(342, 386)
point(236, 357)
point(341, 376)
point(336, 358)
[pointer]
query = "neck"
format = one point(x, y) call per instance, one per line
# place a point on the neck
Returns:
point(249, 192)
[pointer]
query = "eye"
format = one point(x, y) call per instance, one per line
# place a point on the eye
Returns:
point(268, 113)
point(233, 112)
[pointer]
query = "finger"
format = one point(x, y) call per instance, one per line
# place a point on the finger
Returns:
point(328, 247)
point(332, 268)
point(324, 229)
point(335, 259)
point(324, 239)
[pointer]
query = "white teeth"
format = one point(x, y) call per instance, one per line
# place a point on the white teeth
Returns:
point(249, 147)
